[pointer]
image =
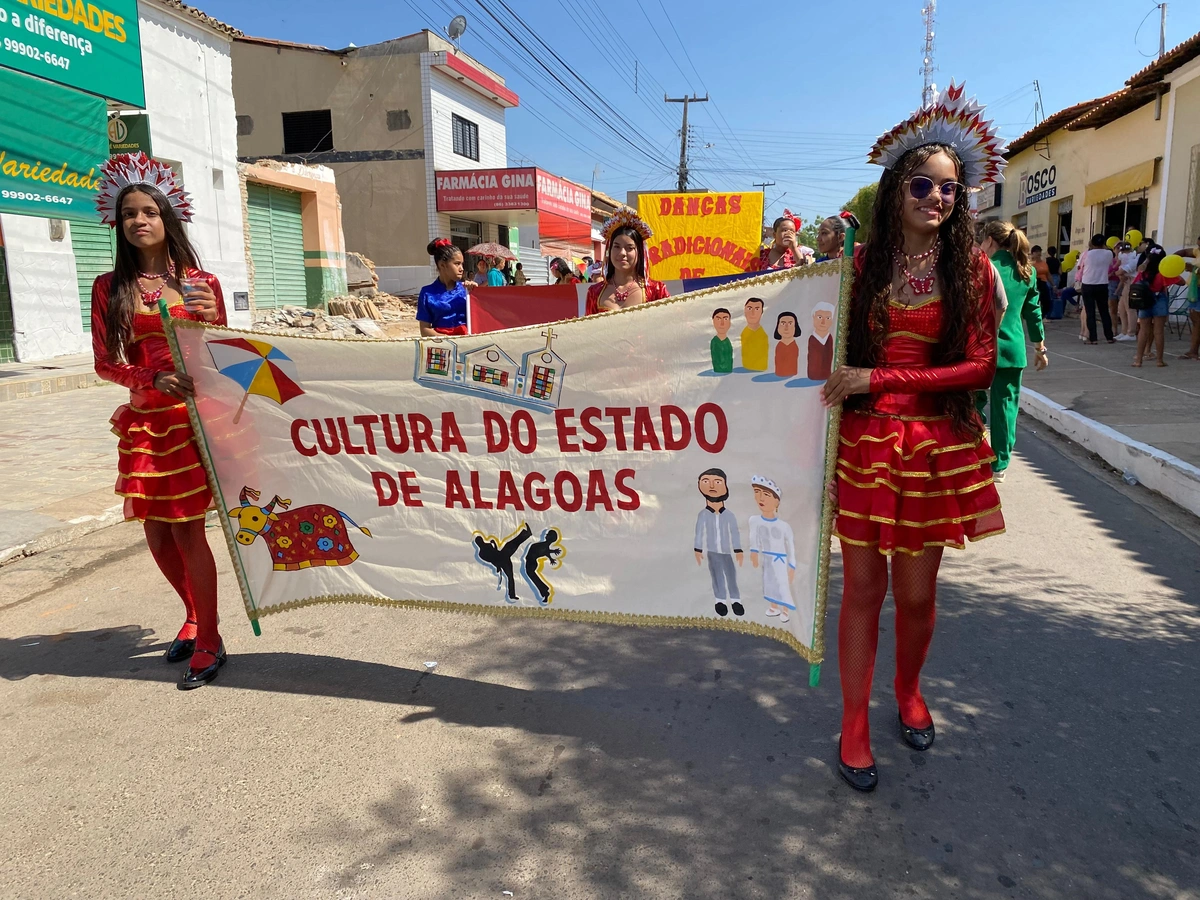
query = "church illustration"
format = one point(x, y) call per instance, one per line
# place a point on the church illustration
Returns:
point(489, 371)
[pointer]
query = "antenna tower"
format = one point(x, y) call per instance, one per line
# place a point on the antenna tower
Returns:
point(928, 12)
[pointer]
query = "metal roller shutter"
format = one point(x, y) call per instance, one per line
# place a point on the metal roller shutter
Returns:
point(7, 347)
point(94, 245)
point(276, 246)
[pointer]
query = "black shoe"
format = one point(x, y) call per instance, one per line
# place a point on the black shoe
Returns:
point(917, 738)
point(192, 680)
point(865, 779)
point(722, 609)
point(738, 609)
point(180, 650)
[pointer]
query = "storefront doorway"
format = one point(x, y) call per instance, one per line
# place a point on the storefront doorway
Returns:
point(465, 234)
point(8, 352)
point(1121, 216)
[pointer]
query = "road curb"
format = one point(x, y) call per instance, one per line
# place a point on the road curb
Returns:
point(56, 537)
point(1168, 475)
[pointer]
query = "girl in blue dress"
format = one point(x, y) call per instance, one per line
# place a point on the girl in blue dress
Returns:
point(442, 306)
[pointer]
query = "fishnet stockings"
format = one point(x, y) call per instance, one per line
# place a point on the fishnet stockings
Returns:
point(183, 556)
point(865, 582)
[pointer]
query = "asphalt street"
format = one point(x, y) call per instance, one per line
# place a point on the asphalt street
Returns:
point(556, 760)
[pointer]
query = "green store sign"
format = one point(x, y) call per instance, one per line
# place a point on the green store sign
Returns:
point(53, 142)
point(93, 45)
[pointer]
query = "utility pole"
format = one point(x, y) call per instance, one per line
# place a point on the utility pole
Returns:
point(764, 185)
point(683, 135)
point(1162, 49)
point(928, 12)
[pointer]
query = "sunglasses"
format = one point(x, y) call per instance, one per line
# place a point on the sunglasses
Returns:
point(920, 187)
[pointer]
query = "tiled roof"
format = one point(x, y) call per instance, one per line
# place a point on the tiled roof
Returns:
point(215, 24)
point(1116, 105)
point(1171, 60)
point(289, 45)
point(1052, 123)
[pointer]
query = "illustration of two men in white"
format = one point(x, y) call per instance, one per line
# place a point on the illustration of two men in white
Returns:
point(772, 548)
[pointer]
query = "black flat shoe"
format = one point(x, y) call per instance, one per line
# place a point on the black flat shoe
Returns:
point(722, 609)
point(192, 680)
point(180, 650)
point(738, 609)
point(917, 738)
point(865, 779)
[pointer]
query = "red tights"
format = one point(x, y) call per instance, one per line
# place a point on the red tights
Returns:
point(914, 587)
point(184, 557)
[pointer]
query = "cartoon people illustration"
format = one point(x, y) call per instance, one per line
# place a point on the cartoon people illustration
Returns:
point(717, 535)
point(721, 347)
point(787, 351)
point(771, 539)
point(499, 556)
point(755, 344)
point(550, 549)
point(820, 343)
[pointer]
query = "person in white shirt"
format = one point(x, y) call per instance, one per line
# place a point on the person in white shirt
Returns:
point(1092, 281)
point(1128, 259)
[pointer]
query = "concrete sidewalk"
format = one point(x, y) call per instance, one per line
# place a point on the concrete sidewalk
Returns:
point(58, 463)
point(53, 376)
point(1160, 407)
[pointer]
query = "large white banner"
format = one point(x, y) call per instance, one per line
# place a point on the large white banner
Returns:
point(663, 465)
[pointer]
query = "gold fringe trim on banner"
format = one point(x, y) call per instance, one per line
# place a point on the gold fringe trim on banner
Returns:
point(815, 656)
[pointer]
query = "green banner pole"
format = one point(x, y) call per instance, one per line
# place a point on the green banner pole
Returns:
point(177, 359)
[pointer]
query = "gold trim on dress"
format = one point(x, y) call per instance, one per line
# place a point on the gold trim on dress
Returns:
point(147, 429)
point(904, 523)
point(883, 482)
point(203, 487)
point(911, 334)
point(194, 465)
point(174, 449)
point(879, 440)
point(138, 409)
point(956, 545)
point(923, 303)
point(165, 519)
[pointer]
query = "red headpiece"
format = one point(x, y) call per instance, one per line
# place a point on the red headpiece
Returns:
point(787, 214)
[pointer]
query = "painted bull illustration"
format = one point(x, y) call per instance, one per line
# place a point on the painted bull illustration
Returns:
point(300, 538)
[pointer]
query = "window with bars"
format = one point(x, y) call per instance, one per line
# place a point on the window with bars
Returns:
point(466, 137)
point(310, 131)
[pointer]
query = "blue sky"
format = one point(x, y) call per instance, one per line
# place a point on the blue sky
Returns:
point(798, 95)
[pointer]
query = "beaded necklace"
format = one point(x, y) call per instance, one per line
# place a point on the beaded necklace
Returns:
point(920, 286)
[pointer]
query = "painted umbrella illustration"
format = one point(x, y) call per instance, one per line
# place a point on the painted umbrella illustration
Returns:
point(258, 367)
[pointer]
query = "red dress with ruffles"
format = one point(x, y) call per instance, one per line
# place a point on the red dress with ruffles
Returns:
point(653, 290)
point(906, 479)
point(159, 470)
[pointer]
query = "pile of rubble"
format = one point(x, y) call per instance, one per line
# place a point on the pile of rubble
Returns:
point(384, 317)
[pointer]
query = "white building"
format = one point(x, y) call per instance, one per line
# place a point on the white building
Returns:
point(189, 100)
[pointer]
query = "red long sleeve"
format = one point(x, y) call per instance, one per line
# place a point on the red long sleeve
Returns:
point(136, 378)
point(975, 372)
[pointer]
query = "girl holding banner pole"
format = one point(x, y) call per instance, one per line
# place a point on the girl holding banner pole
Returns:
point(160, 474)
point(913, 468)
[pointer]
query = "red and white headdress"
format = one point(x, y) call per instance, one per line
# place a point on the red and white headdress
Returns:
point(137, 168)
point(787, 214)
point(625, 216)
point(948, 119)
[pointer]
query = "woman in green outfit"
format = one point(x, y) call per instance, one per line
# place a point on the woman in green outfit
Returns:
point(1008, 249)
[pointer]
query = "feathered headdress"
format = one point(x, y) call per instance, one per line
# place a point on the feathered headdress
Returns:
point(625, 216)
point(137, 168)
point(948, 119)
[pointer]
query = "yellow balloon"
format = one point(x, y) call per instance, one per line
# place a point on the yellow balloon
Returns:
point(1134, 236)
point(1068, 263)
point(1112, 242)
point(1171, 266)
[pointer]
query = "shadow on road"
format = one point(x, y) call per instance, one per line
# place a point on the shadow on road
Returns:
point(1065, 705)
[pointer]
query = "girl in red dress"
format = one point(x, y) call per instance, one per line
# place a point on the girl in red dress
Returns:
point(785, 251)
point(159, 471)
point(913, 468)
point(627, 280)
